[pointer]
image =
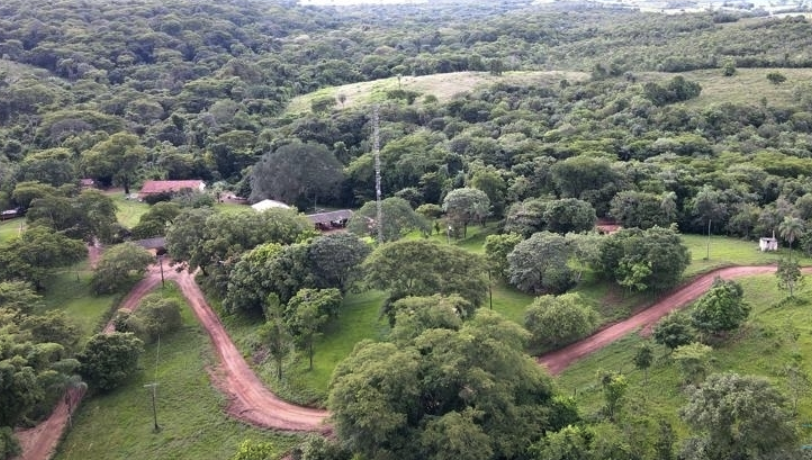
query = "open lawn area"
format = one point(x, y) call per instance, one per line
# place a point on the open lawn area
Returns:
point(762, 347)
point(726, 251)
point(442, 86)
point(193, 424)
point(69, 291)
point(10, 228)
point(129, 211)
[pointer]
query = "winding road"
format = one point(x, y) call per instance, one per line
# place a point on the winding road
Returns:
point(251, 402)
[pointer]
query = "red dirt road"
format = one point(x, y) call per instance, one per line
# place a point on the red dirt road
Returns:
point(252, 403)
point(559, 360)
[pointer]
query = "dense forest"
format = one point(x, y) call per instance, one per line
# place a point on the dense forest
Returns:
point(123, 92)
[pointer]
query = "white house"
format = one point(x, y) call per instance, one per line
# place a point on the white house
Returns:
point(768, 244)
point(264, 205)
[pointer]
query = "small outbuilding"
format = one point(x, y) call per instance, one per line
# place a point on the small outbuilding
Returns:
point(332, 220)
point(768, 244)
point(154, 187)
point(264, 205)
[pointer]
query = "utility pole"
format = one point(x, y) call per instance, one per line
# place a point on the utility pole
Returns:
point(161, 262)
point(154, 386)
point(376, 149)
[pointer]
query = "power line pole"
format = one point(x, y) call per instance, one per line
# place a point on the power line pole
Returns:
point(376, 149)
point(154, 386)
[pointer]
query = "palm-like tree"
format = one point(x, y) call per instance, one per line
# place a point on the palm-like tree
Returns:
point(791, 229)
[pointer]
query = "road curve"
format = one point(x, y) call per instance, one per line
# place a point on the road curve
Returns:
point(559, 360)
point(251, 402)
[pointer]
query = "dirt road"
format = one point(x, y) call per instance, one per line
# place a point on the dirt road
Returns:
point(252, 403)
point(559, 360)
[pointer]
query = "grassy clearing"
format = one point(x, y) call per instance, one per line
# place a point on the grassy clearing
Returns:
point(69, 291)
point(726, 251)
point(10, 229)
point(761, 347)
point(747, 86)
point(129, 211)
point(442, 86)
point(193, 424)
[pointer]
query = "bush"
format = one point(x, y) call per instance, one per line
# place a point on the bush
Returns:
point(159, 317)
point(674, 330)
point(9, 447)
point(557, 321)
point(109, 360)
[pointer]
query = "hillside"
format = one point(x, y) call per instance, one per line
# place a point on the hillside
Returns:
point(442, 86)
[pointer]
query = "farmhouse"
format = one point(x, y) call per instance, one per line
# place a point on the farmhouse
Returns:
point(152, 187)
point(264, 205)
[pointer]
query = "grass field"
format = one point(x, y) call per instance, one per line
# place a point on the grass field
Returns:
point(725, 251)
point(193, 424)
point(761, 347)
point(129, 211)
point(10, 228)
point(747, 86)
point(69, 291)
point(442, 86)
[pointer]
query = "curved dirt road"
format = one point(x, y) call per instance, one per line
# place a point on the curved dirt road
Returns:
point(559, 360)
point(252, 403)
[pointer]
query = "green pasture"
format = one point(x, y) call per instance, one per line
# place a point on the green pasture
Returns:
point(761, 347)
point(193, 425)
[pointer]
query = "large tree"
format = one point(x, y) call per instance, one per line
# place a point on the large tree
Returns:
point(791, 229)
point(447, 394)
point(335, 260)
point(307, 312)
point(119, 267)
point(297, 173)
point(424, 268)
point(539, 264)
point(109, 360)
point(33, 255)
point(465, 205)
point(738, 417)
point(117, 159)
point(398, 219)
point(558, 320)
point(644, 260)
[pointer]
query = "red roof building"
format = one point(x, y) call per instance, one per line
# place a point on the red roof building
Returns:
point(152, 187)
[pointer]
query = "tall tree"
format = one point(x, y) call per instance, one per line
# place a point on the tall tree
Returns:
point(398, 219)
point(539, 264)
point(734, 416)
point(335, 260)
point(297, 173)
point(791, 229)
point(422, 399)
point(118, 159)
point(466, 205)
point(119, 267)
point(275, 334)
point(424, 268)
point(33, 255)
point(307, 312)
point(643, 358)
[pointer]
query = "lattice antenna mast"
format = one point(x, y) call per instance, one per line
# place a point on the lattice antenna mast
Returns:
point(376, 149)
